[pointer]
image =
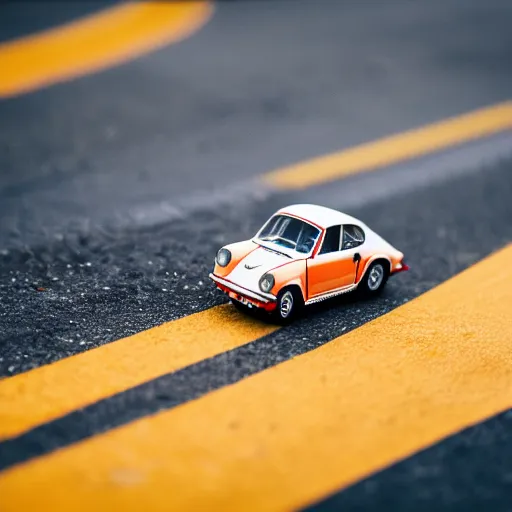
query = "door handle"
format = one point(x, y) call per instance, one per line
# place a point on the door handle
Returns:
point(357, 260)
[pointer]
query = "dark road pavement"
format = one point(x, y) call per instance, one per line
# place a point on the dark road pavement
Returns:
point(96, 242)
point(260, 86)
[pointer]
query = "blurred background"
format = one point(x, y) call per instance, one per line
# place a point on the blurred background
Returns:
point(114, 111)
point(137, 138)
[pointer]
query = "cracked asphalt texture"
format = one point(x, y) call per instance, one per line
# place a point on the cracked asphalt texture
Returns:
point(264, 84)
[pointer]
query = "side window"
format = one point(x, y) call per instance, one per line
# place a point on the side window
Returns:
point(331, 241)
point(353, 236)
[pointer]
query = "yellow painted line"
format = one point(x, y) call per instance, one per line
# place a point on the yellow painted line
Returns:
point(291, 434)
point(95, 42)
point(394, 149)
point(48, 392)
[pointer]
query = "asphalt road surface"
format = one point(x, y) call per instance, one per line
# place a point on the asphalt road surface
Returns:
point(118, 188)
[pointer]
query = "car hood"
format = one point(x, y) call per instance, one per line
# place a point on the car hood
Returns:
point(258, 262)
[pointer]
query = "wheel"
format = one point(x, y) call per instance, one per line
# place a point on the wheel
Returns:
point(375, 278)
point(289, 303)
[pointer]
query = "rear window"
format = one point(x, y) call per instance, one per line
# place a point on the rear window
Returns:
point(353, 236)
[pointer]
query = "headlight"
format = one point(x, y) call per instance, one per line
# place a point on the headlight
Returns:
point(223, 257)
point(267, 283)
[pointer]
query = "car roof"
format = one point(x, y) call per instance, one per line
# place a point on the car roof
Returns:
point(320, 215)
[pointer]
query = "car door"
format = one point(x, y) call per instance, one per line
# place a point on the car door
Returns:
point(334, 266)
point(352, 239)
point(331, 268)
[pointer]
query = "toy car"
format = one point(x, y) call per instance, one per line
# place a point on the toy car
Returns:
point(304, 254)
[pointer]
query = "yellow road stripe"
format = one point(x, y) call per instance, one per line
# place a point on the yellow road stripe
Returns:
point(48, 392)
point(96, 42)
point(394, 149)
point(286, 436)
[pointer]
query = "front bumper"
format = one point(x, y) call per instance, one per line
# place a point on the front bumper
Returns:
point(265, 301)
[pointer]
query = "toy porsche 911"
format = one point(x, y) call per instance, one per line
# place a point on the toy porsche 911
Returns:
point(304, 254)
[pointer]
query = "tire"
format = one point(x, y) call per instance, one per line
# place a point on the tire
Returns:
point(289, 303)
point(374, 279)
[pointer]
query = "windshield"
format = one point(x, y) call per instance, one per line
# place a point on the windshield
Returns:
point(290, 233)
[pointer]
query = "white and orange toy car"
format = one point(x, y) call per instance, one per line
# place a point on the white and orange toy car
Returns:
point(304, 254)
